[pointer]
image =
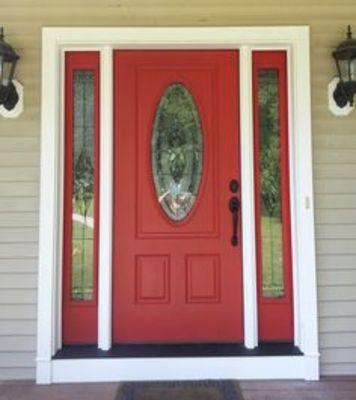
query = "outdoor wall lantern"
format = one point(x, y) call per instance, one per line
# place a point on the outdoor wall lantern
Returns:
point(10, 90)
point(345, 59)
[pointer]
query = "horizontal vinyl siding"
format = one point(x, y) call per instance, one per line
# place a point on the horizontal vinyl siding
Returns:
point(335, 200)
point(19, 188)
point(334, 141)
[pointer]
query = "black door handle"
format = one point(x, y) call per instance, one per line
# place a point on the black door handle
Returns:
point(234, 206)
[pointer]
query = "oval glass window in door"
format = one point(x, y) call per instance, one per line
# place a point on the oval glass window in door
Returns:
point(177, 152)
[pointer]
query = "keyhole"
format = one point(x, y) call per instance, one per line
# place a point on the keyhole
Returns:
point(234, 185)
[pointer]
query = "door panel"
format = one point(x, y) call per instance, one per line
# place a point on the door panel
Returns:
point(176, 280)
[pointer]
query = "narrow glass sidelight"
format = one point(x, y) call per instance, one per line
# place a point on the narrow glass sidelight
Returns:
point(270, 184)
point(177, 152)
point(83, 186)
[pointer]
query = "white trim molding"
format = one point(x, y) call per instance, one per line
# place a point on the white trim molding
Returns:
point(187, 368)
point(248, 200)
point(106, 203)
point(295, 40)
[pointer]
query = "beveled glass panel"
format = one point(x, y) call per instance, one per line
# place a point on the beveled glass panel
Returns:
point(83, 186)
point(177, 152)
point(270, 185)
point(6, 72)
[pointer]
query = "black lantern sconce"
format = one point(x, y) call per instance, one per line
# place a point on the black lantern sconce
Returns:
point(8, 60)
point(345, 58)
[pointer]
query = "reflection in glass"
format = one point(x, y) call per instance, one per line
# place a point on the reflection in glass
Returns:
point(83, 186)
point(177, 152)
point(270, 190)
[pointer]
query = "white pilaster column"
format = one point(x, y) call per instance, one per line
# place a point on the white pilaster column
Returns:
point(106, 202)
point(247, 200)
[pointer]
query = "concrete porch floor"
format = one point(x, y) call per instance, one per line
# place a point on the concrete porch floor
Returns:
point(328, 388)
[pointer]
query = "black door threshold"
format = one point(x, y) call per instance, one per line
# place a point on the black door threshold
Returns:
point(178, 350)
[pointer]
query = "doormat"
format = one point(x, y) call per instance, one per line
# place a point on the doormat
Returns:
point(180, 390)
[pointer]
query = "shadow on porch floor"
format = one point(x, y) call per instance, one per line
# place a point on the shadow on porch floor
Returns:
point(328, 388)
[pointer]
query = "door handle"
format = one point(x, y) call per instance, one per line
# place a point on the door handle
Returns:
point(234, 207)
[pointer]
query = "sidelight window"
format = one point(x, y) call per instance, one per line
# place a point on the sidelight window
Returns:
point(81, 194)
point(273, 237)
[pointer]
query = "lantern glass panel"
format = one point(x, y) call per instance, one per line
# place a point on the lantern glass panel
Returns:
point(7, 72)
point(1, 68)
point(344, 70)
point(353, 69)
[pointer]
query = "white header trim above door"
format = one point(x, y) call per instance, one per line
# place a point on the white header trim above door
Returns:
point(293, 39)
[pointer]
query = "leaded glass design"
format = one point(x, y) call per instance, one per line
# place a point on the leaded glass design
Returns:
point(270, 186)
point(177, 152)
point(83, 186)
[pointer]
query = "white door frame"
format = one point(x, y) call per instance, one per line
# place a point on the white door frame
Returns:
point(55, 41)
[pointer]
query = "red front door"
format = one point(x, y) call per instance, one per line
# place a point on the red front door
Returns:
point(177, 268)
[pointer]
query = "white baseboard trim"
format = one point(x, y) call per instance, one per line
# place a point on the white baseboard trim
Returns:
point(187, 368)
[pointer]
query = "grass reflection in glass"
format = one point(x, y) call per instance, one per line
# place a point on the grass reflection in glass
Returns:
point(272, 257)
point(82, 265)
